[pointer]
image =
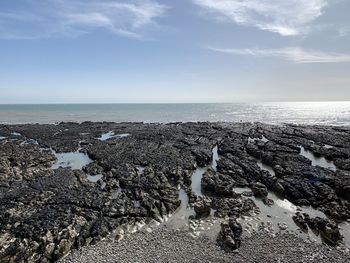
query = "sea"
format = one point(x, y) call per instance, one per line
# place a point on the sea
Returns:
point(322, 113)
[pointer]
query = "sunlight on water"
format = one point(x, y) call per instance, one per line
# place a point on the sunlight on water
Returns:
point(335, 113)
point(285, 204)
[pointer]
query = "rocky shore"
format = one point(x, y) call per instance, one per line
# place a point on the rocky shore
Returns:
point(69, 186)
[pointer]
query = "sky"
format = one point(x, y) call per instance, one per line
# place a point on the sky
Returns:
point(155, 51)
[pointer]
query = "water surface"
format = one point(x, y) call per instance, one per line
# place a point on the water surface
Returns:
point(332, 113)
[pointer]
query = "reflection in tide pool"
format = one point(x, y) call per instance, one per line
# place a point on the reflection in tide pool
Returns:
point(196, 184)
point(182, 215)
point(180, 219)
point(106, 136)
point(265, 167)
point(197, 176)
point(73, 160)
point(123, 135)
point(285, 204)
point(94, 178)
point(317, 161)
point(140, 169)
point(280, 215)
point(111, 134)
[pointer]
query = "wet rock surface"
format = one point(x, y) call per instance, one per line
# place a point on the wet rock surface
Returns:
point(46, 213)
point(230, 235)
point(327, 229)
point(202, 207)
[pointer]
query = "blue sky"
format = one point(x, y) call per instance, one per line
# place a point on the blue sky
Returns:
point(66, 51)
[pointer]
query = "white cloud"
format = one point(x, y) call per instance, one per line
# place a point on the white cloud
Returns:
point(293, 54)
point(56, 18)
point(286, 17)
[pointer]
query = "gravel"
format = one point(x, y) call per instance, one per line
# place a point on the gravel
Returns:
point(165, 245)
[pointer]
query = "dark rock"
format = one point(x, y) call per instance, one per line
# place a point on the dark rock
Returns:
point(346, 192)
point(328, 230)
point(46, 213)
point(230, 235)
point(268, 202)
point(300, 221)
point(202, 207)
point(278, 188)
point(259, 190)
point(302, 202)
point(233, 207)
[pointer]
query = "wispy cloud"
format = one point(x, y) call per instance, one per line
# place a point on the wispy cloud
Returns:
point(57, 18)
point(293, 54)
point(286, 17)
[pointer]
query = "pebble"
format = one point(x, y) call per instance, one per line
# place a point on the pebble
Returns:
point(163, 245)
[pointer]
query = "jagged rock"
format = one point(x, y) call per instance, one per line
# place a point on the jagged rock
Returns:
point(259, 190)
point(327, 229)
point(203, 156)
point(218, 184)
point(302, 202)
point(45, 213)
point(300, 221)
point(202, 207)
point(346, 192)
point(233, 207)
point(230, 235)
point(93, 169)
point(278, 188)
point(268, 202)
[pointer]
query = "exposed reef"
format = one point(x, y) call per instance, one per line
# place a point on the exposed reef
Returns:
point(133, 172)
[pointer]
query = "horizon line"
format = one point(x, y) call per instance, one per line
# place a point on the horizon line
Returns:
point(162, 103)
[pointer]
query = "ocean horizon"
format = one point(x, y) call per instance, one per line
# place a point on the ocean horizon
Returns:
point(322, 113)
